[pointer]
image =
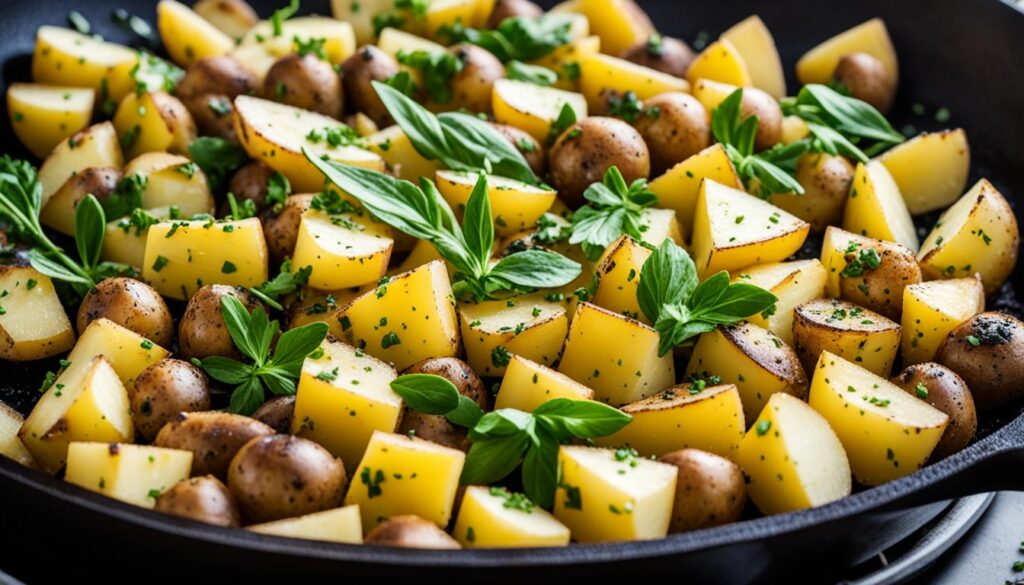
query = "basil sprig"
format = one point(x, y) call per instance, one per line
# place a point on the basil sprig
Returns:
point(218, 158)
point(614, 208)
point(459, 141)
point(421, 212)
point(437, 70)
point(285, 283)
point(841, 124)
point(253, 333)
point(519, 38)
point(505, 438)
point(534, 74)
point(680, 308)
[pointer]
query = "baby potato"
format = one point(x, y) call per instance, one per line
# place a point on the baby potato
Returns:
point(710, 490)
point(988, 353)
point(666, 54)
point(532, 150)
point(277, 413)
point(759, 103)
point(510, 8)
point(282, 476)
point(306, 82)
point(409, 531)
point(213, 438)
point(365, 66)
point(942, 388)
point(282, 229)
point(675, 127)
point(59, 212)
point(879, 289)
point(867, 79)
point(201, 331)
point(583, 153)
point(436, 428)
point(131, 304)
point(471, 86)
point(208, 89)
point(203, 499)
point(826, 180)
point(250, 182)
point(162, 391)
point(233, 17)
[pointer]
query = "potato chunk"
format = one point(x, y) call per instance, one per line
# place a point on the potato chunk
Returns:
point(188, 36)
point(565, 59)
point(135, 474)
point(756, 46)
point(153, 121)
point(871, 37)
point(602, 76)
point(875, 207)
point(392, 145)
point(620, 23)
point(11, 446)
point(171, 180)
point(618, 273)
point(527, 384)
point(33, 324)
point(680, 186)
point(493, 331)
point(720, 61)
point(128, 352)
point(532, 108)
point(338, 36)
point(66, 57)
point(793, 283)
point(515, 205)
point(96, 146)
point(492, 517)
point(849, 331)
point(345, 250)
point(43, 115)
point(932, 309)
point(337, 525)
point(930, 169)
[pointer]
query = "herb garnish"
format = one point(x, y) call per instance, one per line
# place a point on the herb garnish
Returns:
point(519, 38)
point(217, 157)
point(126, 196)
point(437, 69)
point(285, 283)
point(614, 209)
point(566, 118)
point(151, 73)
point(137, 25)
point(534, 74)
point(839, 124)
point(282, 14)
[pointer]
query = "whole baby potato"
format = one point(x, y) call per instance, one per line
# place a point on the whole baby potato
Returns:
point(213, 437)
point(471, 86)
point(666, 54)
point(132, 304)
point(867, 79)
point(281, 229)
point(710, 490)
point(201, 331)
point(358, 72)
point(437, 428)
point(208, 89)
point(826, 180)
point(759, 103)
point(99, 182)
point(511, 8)
point(675, 126)
point(277, 413)
point(531, 149)
point(880, 289)
point(409, 531)
point(942, 388)
point(203, 499)
point(306, 82)
point(582, 154)
point(987, 351)
point(162, 391)
point(250, 182)
point(282, 476)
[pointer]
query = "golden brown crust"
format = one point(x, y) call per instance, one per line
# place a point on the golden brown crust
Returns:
point(946, 391)
point(132, 304)
point(213, 437)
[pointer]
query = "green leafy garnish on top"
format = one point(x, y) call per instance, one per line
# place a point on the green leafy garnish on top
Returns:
point(614, 208)
point(436, 69)
point(218, 158)
point(519, 38)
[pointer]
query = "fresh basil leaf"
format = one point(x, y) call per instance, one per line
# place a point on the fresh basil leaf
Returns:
point(738, 301)
point(263, 331)
point(126, 196)
point(595, 229)
point(420, 125)
point(537, 269)
point(477, 222)
point(834, 143)
point(502, 423)
point(297, 343)
point(668, 276)
point(55, 270)
point(481, 145)
point(493, 458)
point(218, 158)
point(540, 468)
point(90, 228)
point(237, 320)
point(674, 327)
point(467, 414)
point(534, 74)
point(247, 397)
point(708, 293)
point(583, 419)
point(521, 38)
point(427, 393)
point(725, 118)
point(225, 370)
point(850, 115)
point(436, 69)
point(279, 380)
point(772, 178)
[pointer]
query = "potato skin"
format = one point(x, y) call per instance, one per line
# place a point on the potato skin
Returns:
point(203, 499)
point(671, 55)
point(98, 181)
point(587, 149)
point(710, 490)
point(509, 8)
point(867, 79)
point(208, 89)
point(436, 428)
point(769, 116)
point(949, 393)
point(277, 413)
point(471, 86)
point(367, 65)
point(994, 368)
point(531, 150)
point(409, 531)
point(213, 437)
point(131, 304)
point(281, 476)
point(281, 230)
point(675, 126)
point(306, 82)
point(826, 180)
point(201, 331)
point(162, 391)
point(250, 182)
point(881, 289)
point(178, 119)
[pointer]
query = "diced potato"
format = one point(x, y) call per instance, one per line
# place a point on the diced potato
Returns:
point(515, 205)
point(406, 319)
point(96, 146)
point(86, 403)
point(128, 352)
point(33, 324)
point(753, 359)
point(978, 234)
point(532, 108)
point(135, 474)
point(603, 75)
point(875, 207)
point(392, 145)
point(187, 36)
point(618, 277)
point(527, 384)
point(493, 331)
point(43, 115)
point(339, 38)
point(392, 41)
point(11, 446)
point(844, 329)
point(171, 180)
point(125, 243)
point(733, 230)
point(231, 18)
point(147, 69)
point(344, 250)
point(565, 61)
point(359, 14)
point(616, 356)
point(276, 134)
point(182, 256)
point(343, 398)
point(836, 244)
point(66, 57)
point(755, 44)
point(711, 93)
point(153, 122)
point(486, 520)
point(793, 283)
point(422, 252)
point(679, 187)
point(931, 169)
point(445, 13)
point(794, 129)
point(720, 61)
point(617, 22)
point(871, 37)
point(606, 495)
point(886, 432)
point(932, 309)
point(792, 458)
point(405, 475)
point(337, 525)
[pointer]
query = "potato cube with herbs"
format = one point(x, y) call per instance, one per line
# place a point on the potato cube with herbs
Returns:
point(851, 332)
point(345, 250)
point(343, 397)
point(44, 115)
point(793, 283)
point(527, 385)
point(33, 324)
point(677, 189)
point(406, 318)
point(11, 446)
point(605, 495)
point(335, 525)
point(932, 309)
point(515, 205)
point(96, 146)
point(616, 356)
point(876, 209)
point(135, 474)
point(529, 326)
point(394, 146)
point(618, 274)
point(493, 517)
point(128, 352)
point(400, 474)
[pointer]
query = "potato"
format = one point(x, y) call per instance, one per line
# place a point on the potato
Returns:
point(214, 437)
point(96, 146)
point(511, 8)
point(493, 330)
point(792, 459)
point(66, 57)
point(879, 289)
point(932, 309)
point(410, 531)
point(154, 122)
point(394, 147)
point(756, 46)
point(943, 389)
point(165, 389)
point(710, 490)
point(720, 61)
point(201, 331)
point(282, 230)
point(233, 17)
point(679, 187)
point(208, 89)
point(618, 276)
point(587, 149)
point(978, 234)
point(826, 180)
point(565, 61)
point(171, 180)
point(867, 79)
point(602, 76)
point(203, 499)
point(769, 117)
point(531, 148)
point(515, 205)
point(875, 207)
point(471, 85)
point(130, 303)
point(437, 428)
point(131, 473)
point(339, 39)
point(277, 413)
point(675, 127)
point(33, 324)
point(668, 55)
point(493, 517)
point(345, 250)
point(793, 283)
point(794, 129)
point(249, 183)
point(11, 446)
point(336, 525)
point(59, 212)
point(187, 36)
point(43, 116)
point(368, 64)
point(851, 332)
point(946, 155)
point(986, 352)
point(620, 23)
point(533, 108)
point(819, 64)
point(127, 351)
point(306, 82)
point(886, 432)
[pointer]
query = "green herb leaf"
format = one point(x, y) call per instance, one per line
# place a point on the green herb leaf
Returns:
point(466, 414)
point(613, 209)
point(57, 270)
point(427, 393)
point(136, 25)
point(519, 38)
point(540, 468)
point(282, 14)
point(840, 123)
point(224, 369)
point(79, 22)
point(493, 458)
point(566, 118)
point(285, 283)
point(666, 276)
point(437, 69)
point(297, 343)
point(534, 74)
point(477, 222)
point(90, 229)
point(126, 196)
point(536, 269)
point(218, 158)
point(247, 397)
point(278, 190)
point(582, 419)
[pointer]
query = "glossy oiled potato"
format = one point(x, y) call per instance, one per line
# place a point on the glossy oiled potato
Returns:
point(208, 89)
point(282, 229)
point(201, 332)
point(408, 531)
point(162, 391)
point(277, 413)
point(942, 388)
point(436, 428)
point(826, 180)
point(471, 86)
point(988, 353)
point(675, 127)
point(583, 153)
point(533, 151)
point(250, 182)
point(759, 103)
point(710, 490)
point(367, 65)
point(867, 79)
point(880, 289)
point(98, 181)
point(510, 8)
point(203, 499)
point(306, 82)
point(666, 54)
point(132, 304)
point(213, 438)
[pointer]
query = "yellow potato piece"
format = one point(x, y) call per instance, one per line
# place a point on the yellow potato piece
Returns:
point(140, 126)
point(565, 61)
point(135, 474)
point(484, 521)
point(756, 46)
point(33, 324)
point(712, 93)
point(616, 22)
point(871, 37)
point(345, 250)
point(793, 283)
point(337, 525)
point(96, 146)
point(146, 69)
point(44, 115)
point(360, 16)
point(339, 37)
point(794, 129)
point(66, 57)
point(619, 276)
point(128, 352)
point(493, 331)
point(679, 187)
point(532, 108)
point(232, 18)
point(603, 75)
point(876, 209)
point(515, 205)
point(842, 328)
point(392, 145)
point(11, 446)
point(172, 181)
point(392, 41)
point(126, 243)
point(932, 309)
point(445, 13)
point(187, 36)
point(527, 384)
point(931, 169)
point(720, 61)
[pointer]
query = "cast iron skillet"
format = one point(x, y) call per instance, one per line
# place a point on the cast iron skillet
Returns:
point(965, 55)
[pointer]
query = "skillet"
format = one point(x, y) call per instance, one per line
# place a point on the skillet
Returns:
point(964, 55)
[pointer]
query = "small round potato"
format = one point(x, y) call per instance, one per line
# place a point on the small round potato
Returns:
point(710, 490)
point(367, 65)
point(769, 116)
point(532, 150)
point(281, 476)
point(587, 149)
point(471, 86)
point(306, 82)
point(131, 304)
point(436, 428)
point(201, 331)
point(826, 180)
point(277, 414)
point(100, 182)
point(408, 531)
point(867, 79)
point(510, 8)
point(213, 437)
point(881, 289)
point(666, 54)
point(250, 182)
point(162, 391)
point(203, 499)
point(942, 388)
point(281, 230)
point(178, 119)
point(988, 353)
point(208, 88)
point(675, 126)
